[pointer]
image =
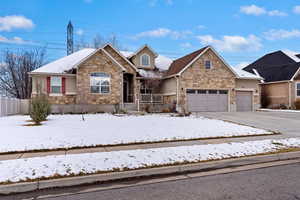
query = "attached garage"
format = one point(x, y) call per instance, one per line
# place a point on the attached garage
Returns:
point(244, 101)
point(207, 100)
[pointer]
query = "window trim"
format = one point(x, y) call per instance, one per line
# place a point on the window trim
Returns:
point(211, 64)
point(296, 89)
point(141, 60)
point(144, 87)
point(100, 93)
point(60, 90)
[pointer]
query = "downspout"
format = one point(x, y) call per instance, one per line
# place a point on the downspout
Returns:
point(177, 92)
point(290, 94)
point(122, 88)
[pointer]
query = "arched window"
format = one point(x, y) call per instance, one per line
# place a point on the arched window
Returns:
point(145, 60)
point(100, 82)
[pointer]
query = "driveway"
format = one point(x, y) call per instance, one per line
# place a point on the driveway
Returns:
point(287, 123)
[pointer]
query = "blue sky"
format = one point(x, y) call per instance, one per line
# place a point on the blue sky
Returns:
point(240, 30)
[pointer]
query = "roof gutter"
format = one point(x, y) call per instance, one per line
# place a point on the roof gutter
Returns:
point(285, 81)
point(49, 73)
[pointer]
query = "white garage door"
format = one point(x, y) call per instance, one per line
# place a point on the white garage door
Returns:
point(243, 101)
point(207, 100)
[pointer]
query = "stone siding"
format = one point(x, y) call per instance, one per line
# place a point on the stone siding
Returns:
point(197, 77)
point(99, 63)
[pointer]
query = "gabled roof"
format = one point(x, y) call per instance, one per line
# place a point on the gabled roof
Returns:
point(161, 62)
point(275, 66)
point(65, 63)
point(180, 63)
point(140, 49)
point(242, 74)
point(72, 61)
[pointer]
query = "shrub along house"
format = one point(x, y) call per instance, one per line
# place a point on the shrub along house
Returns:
point(92, 80)
point(281, 73)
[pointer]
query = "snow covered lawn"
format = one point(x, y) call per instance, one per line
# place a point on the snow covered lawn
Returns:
point(70, 131)
point(89, 163)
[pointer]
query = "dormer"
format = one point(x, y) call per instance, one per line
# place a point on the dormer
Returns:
point(144, 58)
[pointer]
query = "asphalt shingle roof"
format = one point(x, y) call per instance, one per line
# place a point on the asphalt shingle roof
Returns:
point(276, 66)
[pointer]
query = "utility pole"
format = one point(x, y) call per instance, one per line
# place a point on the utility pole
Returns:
point(70, 45)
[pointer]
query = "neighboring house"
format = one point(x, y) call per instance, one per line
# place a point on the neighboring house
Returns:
point(99, 79)
point(280, 70)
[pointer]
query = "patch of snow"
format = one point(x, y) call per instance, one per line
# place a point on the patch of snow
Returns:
point(163, 62)
point(150, 73)
point(89, 163)
point(244, 74)
point(66, 131)
point(292, 55)
point(241, 65)
point(127, 54)
point(66, 63)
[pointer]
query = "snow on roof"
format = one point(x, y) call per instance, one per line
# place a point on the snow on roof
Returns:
point(69, 62)
point(150, 73)
point(66, 63)
point(243, 74)
point(163, 62)
point(127, 54)
point(292, 55)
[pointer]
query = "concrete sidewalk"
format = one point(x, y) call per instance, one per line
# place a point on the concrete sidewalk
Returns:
point(286, 123)
point(151, 172)
point(138, 146)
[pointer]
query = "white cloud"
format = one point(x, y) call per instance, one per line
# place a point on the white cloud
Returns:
point(253, 10)
point(275, 34)
point(200, 27)
point(233, 43)
point(14, 40)
point(257, 11)
point(296, 9)
point(163, 32)
point(79, 32)
point(8, 23)
point(241, 65)
point(153, 3)
point(277, 13)
point(186, 45)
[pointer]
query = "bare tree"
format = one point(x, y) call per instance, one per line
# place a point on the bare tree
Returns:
point(98, 41)
point(14, 79)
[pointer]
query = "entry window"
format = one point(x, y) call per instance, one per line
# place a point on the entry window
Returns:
point(56, 84)
point(100, 83)
point(298, 89)
point(145, 60)
point(208, 64)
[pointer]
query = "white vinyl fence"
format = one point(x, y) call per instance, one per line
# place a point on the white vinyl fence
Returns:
point(13, 106)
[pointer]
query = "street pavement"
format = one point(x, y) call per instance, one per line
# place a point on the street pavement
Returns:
point(271, 183)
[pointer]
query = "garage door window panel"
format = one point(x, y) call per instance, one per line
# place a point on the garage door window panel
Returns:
point(212, 91)
point(298, 89)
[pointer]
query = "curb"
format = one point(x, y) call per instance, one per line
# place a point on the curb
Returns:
point(177, 169)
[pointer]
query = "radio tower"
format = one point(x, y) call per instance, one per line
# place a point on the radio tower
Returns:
point(70, 47)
